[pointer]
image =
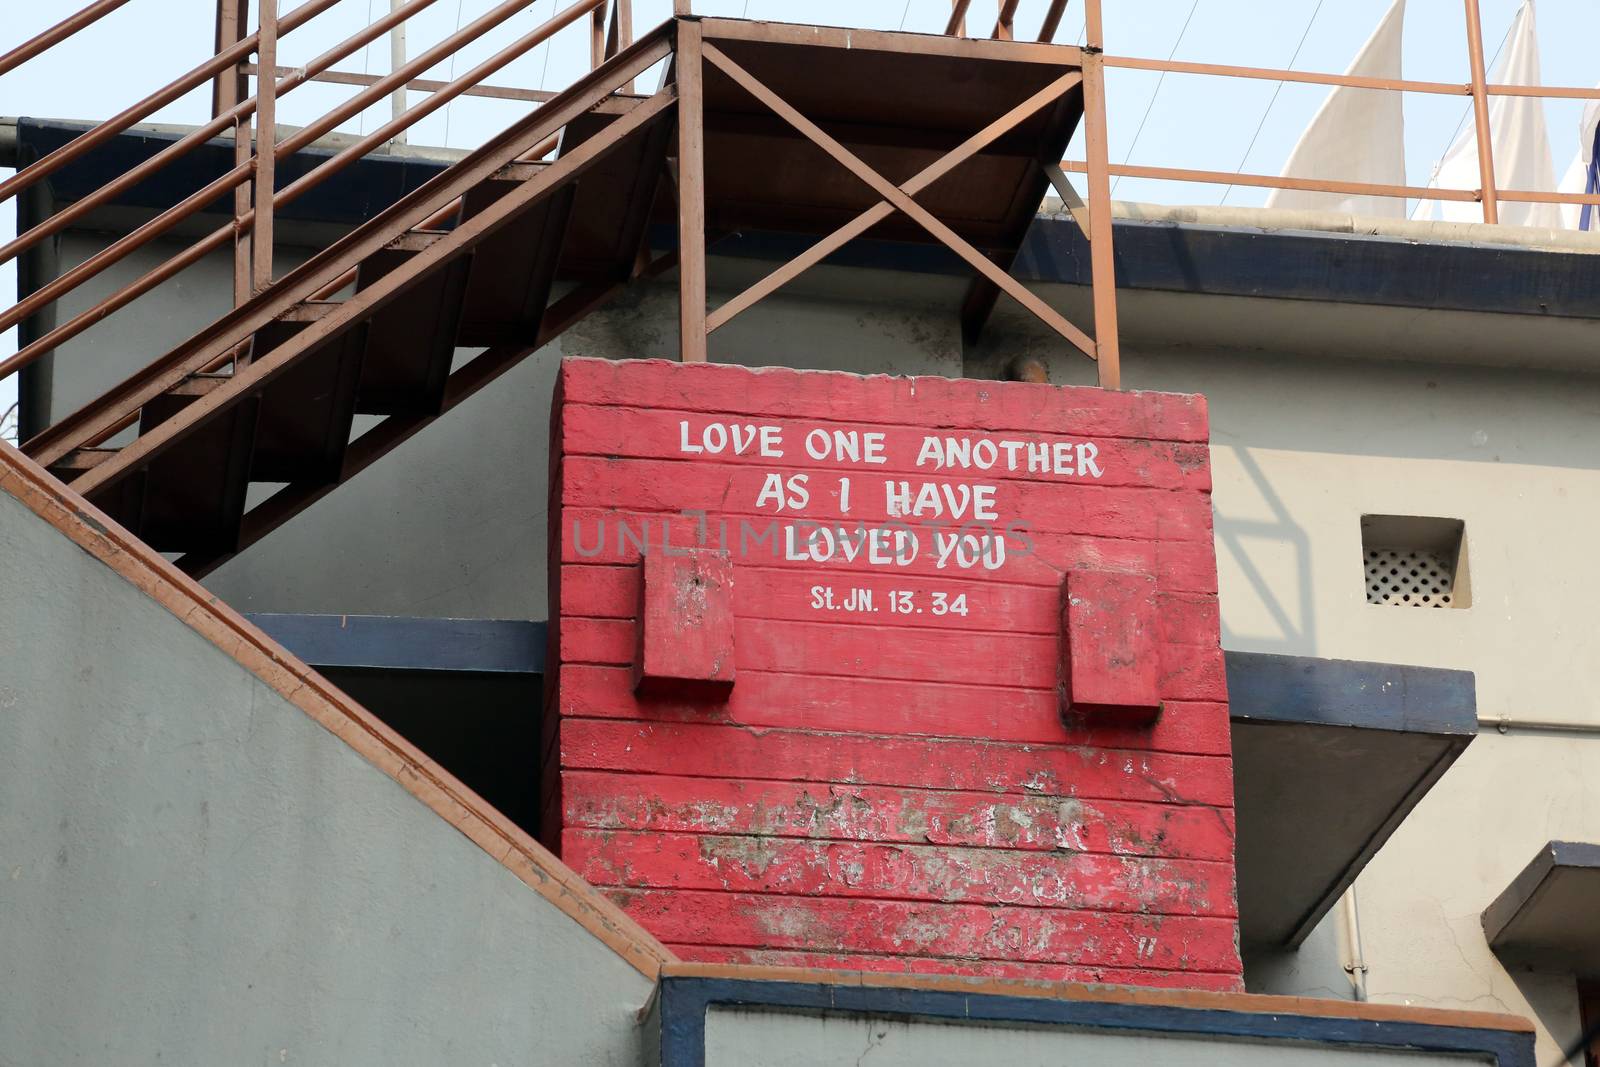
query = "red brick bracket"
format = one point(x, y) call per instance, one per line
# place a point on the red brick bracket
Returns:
point(685, 625)
point(1110, 646)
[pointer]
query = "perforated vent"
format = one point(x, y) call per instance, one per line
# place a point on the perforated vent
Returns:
point(1409, 577)
point(1415, 561)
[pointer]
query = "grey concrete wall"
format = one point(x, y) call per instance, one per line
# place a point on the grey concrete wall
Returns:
point(111, 350)
point(195, 872)
point(453, 522)
point(738, 1038)
point(1314, 969)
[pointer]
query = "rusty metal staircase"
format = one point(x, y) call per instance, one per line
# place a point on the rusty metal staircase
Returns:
point(269, 392)
point(511, 245)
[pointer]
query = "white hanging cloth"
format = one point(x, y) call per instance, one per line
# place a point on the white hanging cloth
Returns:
point(1357, 134)
point(1583, 176)
point(1521, 145)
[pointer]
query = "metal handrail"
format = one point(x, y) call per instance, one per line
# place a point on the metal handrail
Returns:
point(53, 36)
point(226, 120)
point(1478, 88)
point(257, 165)
point(252, 213)
point(95, 421)
point(242, 172)
point(228, 57)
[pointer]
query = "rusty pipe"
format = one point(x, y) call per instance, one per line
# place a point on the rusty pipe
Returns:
point(437, 100)
point(115, 252)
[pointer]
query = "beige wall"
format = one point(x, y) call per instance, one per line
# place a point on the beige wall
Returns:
point(1300, 450)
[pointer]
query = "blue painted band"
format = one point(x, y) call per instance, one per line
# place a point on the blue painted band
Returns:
point(684, 1002)
point(484, 646)
point(1262, 686)
point(1331, 692)
point(1159, 256)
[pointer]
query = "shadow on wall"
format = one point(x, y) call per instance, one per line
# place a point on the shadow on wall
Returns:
point(1294, 623)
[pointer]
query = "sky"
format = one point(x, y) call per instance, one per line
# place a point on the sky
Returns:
point(1177, 120)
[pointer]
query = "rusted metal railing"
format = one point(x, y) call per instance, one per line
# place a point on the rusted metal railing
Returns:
point(1477, 88)
point(47, 40)
point(251, 122)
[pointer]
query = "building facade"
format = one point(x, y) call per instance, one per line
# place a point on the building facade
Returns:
point(1400, 474)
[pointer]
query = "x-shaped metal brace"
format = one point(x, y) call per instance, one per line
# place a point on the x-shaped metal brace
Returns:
point(897, 198)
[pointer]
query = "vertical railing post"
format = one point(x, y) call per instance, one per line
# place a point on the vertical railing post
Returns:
point(397, 59)
point(266, 144)
point(597, 36)
point(681, 7)
point(691, 195)
point(620, 35)
point(227, 89)
point(1480, 114)
point(1102, 264)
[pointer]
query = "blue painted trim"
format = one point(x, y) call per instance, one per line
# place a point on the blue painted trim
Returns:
point(1159, 256)
point(484, 646)
point(348, 198)
point(684, 1002)
point(1262, 687)
point(1333, 692)
point(1177, 257)
point(1524, 888)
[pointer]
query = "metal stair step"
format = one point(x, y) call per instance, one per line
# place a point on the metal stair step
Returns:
point(193, 493)
point(306, 411)
point(411, 340)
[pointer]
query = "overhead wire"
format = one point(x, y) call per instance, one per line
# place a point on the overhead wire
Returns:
point(1159, 82)
point(452, 77)
point(1263, 123)
point(548, 46)
point(366, 53)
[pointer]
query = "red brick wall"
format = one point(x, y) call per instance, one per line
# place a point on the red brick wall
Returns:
point(893, 790)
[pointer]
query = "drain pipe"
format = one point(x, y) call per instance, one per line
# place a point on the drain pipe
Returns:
point(1540, 726)
point(1356, 968)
